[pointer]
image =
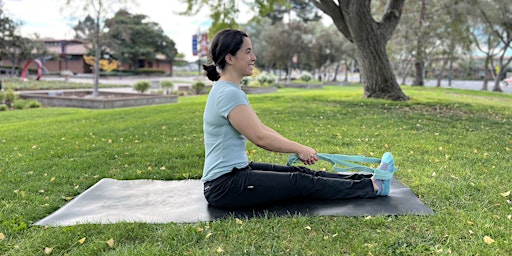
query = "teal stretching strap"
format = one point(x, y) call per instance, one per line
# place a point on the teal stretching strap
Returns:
point(337, 159)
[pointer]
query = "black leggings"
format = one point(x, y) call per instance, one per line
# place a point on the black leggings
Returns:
point(263, 183)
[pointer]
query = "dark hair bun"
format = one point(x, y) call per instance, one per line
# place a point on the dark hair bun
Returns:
point(211, 72)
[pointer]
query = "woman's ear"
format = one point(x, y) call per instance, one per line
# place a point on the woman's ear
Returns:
point(229, 58)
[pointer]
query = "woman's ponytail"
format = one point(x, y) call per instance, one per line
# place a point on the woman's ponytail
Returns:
point(211, 72)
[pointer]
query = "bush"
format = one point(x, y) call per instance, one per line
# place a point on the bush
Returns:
point(166, 85)
point(9, 97)
point(3, 107)
point(33, 104)
point(149, 71)
point(142, 86)
point(19, 104)
point(265, 79)
point(198, 86)
point(245, 81)
point(306, 77)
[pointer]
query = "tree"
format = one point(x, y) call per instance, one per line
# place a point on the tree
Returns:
point(98, 10)
point(84, 30)
point(15, 47)
point(303, 9)
point(288, 41)
point(130, 38)
point(430, 32)
point(497, 17)
point(355, 21)
point(328, 50)
point(10, 41)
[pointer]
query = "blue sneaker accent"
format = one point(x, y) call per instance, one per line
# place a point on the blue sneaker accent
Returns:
point(387, 163)
point(384, 187)
point(383, 179)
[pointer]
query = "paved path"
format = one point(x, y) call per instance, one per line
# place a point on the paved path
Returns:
point(130, 81)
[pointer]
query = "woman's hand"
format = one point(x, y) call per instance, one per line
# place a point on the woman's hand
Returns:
point(308, 155)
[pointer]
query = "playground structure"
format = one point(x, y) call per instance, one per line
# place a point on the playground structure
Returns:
point(39, 69)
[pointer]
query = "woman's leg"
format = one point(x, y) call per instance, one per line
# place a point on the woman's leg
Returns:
point(247, 188)
point(334, 175)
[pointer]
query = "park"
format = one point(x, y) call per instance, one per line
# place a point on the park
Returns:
point(452, 145)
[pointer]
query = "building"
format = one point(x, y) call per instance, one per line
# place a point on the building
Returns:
point(68, 55)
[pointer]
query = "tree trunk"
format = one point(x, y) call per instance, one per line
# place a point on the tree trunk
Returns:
point(355, 21)
point(97, 53)
point(335, 78)
point(487, 73)
point(419, 64)
point(497, 87)
point(375, 69)
point(441, 72)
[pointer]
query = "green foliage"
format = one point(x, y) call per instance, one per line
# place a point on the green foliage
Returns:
point(149, 71)
point(166, 84)
point(132, 36)
point(265, 79)
point(3, 107)
point(306, 76)
point(198, 86)
point(437, 137)
point(8, 97)
point(24, 104)
point(245, 80)
point(142, 86)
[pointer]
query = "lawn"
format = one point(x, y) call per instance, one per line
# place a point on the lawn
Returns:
point(452, 148)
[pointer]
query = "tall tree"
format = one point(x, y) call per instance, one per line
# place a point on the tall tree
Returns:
point(131, 37)
point(9, 39)
point(329, 50)
point(497, 16)
point(15, 47)
point(355, 21)
point(304, 10)
point(98, 10)
point(85, 28)
point(288, 41)
point(419, 63)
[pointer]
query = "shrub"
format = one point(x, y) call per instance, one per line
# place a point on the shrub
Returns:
point(166, 85)
point(149, 71)
point(245, 81)
point(265, 79)
point(9, 97)
point(19, 104)
point(198, 86)
point(306, 76)
point(33, 104)
point(3, 107)
point(142, 86)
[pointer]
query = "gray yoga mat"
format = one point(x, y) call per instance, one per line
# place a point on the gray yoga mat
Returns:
point(159, 201)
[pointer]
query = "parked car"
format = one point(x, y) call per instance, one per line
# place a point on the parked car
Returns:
point(507, 81)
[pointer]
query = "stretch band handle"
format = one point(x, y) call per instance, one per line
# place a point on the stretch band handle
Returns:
point(337, 159)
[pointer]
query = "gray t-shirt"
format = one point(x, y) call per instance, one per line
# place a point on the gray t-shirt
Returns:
point(224, 145)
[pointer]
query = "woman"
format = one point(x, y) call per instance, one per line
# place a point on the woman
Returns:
point(230, 180)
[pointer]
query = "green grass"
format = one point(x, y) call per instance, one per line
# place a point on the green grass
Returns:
point(452, 148)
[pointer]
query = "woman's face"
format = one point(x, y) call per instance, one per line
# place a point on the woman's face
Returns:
point(243, 61)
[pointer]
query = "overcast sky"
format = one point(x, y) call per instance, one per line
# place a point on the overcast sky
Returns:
point(45, 18)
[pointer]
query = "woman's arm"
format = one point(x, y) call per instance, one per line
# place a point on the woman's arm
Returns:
point(245, 120)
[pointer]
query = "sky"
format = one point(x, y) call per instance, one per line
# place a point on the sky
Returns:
point(45, 18)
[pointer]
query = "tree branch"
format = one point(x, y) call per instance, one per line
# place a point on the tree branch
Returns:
point(391, 18)
point(336, 13)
